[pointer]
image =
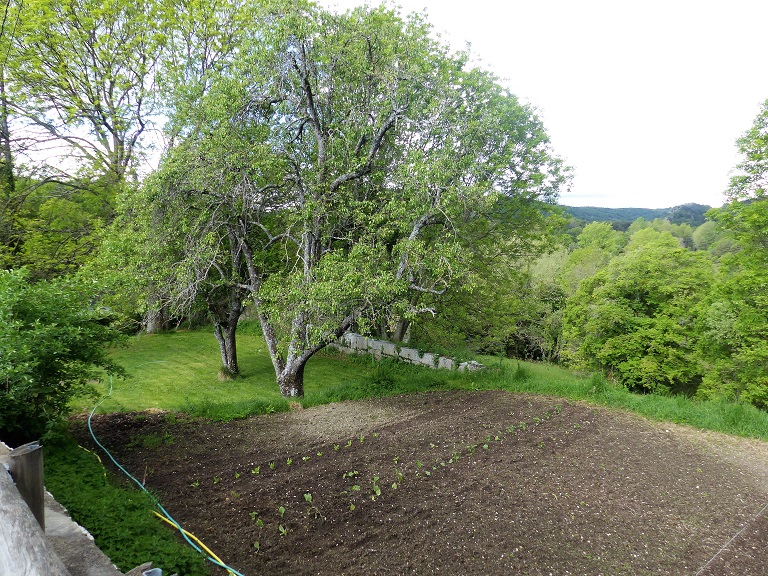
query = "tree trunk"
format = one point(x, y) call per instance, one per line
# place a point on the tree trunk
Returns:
point(226, 335)
point(8, 185)
point(401, 331)
point(156, 320)
point(291, 379)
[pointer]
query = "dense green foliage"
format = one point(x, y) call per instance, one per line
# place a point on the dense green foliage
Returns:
point(633, 318)
point(52, 344)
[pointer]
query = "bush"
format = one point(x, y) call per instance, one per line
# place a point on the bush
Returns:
point(52, 344)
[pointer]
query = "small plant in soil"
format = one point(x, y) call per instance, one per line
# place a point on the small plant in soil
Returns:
point(216, 480)
point(313, 508)
point(336, 447)
point(256, 470)
point(271, 465)
point(289, 461)
point(195, 484)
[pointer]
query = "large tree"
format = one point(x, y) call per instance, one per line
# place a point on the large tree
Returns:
point(346, 158)
point(77, 79)
point(734, 325)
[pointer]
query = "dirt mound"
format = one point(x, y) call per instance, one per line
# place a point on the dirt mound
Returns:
point(455, 483)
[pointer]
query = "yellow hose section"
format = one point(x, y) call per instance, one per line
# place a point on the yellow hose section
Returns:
point(97, 458)
point(164, 519)
point(195, 538)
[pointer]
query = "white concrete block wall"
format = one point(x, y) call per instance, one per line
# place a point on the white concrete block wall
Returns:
point(352, 343)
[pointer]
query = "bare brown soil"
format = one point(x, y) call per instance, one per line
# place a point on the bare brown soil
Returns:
point(455, 483)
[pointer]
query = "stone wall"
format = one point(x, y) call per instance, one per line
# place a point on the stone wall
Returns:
point(352, 343)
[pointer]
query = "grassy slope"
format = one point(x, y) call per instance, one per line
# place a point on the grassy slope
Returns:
point(178, 371)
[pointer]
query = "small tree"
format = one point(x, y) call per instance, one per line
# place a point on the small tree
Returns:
point(52, 344)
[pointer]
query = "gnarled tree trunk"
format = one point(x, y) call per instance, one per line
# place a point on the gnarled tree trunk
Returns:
point(226, 336)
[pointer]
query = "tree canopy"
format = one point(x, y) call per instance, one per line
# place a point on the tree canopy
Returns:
point(352, 165)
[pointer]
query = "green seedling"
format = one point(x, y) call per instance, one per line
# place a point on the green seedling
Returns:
point(271, 465)
point(256, 470)
point(319, 453)
point(349, 443)
point(234, 494)
point(289, 461)
point(281, 511)
point(216, 479)
point(195, 484)
point(362, 438)
point(305, 458)
point(237, 475)
point(283, 530)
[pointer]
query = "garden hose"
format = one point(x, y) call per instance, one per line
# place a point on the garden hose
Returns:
point(210, 556)
point(195, 538)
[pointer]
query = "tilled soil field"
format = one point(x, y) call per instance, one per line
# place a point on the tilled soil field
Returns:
point(455, 483)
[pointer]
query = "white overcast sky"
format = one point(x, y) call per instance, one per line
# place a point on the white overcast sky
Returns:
point(645, 99)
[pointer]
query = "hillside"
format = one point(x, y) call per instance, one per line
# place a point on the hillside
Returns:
point(692, 214)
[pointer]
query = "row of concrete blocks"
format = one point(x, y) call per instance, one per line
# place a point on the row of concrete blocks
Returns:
point(352, 343)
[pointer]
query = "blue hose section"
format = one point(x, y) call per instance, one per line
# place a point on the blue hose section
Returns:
point(155, 500)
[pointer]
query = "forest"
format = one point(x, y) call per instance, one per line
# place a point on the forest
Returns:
point(171, 164)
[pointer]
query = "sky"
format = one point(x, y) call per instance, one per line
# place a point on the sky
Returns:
point(644, 99)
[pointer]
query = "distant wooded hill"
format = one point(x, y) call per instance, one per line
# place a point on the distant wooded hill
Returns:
point(692, 214)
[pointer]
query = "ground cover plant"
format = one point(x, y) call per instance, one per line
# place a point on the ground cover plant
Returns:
point(331, 486)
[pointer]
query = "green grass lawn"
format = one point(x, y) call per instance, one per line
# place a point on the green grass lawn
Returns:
point(178, 371)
